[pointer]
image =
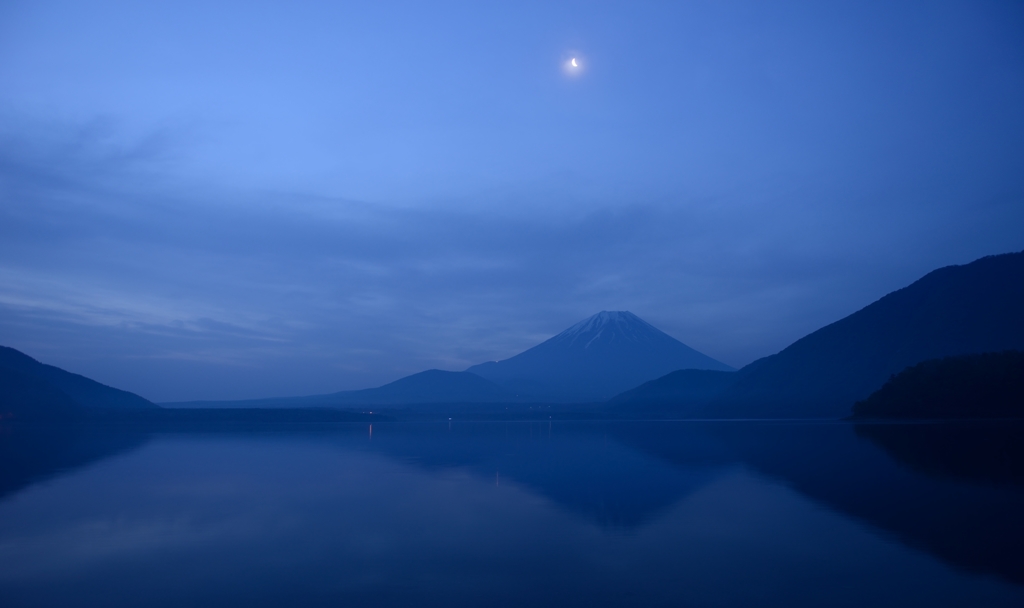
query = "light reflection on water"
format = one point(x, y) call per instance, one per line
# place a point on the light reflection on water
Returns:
point(550, 513)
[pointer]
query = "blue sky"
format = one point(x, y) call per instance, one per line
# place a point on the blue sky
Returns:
point(245, 199)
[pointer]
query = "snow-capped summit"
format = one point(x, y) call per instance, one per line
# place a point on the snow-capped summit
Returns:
point(613, 325)
point(596, 359)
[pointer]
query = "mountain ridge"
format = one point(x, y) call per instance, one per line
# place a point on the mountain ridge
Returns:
point(83, 391)
point(430, 386)
point(595, 359)
point(955, 310)
point(683, 393)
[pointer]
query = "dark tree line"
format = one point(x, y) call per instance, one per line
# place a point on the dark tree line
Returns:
point(987, 385)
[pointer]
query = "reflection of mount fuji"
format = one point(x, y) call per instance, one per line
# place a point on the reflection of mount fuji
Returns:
point(593, 470)
point(961, 505)
point(964, 509)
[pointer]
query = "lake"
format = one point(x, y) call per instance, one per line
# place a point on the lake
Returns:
point(548, 513)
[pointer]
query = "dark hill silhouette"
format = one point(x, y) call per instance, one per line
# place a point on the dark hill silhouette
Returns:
point(989, 385)
point(981, 452)
point(956, 310)
point(81, 390)
point(27, 398)
point(48, 397)
point(595, 360)
point(683, 393)
point(431, 386)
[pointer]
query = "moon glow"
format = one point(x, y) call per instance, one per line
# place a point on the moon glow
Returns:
point(573, 63)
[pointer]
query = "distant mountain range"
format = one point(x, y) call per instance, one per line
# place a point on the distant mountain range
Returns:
point(684, 393)
point(956, 310)
point(590, 362)
point(595, 360)
point(30, 389)
point(616, 356)
point(431, 386)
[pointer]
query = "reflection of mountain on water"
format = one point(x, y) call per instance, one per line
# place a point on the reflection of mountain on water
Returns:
point(626, 474)
point(954, 491)
point(585, 468)
point(987, 452)
point(34, 453)
point(973, 526)
point(593, 470)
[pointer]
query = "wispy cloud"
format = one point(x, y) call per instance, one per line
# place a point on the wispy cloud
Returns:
point(115, 265)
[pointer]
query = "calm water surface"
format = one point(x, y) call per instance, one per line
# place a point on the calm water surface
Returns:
point(515, 514)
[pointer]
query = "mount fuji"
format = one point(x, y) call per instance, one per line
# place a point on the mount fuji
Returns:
point(595, 360)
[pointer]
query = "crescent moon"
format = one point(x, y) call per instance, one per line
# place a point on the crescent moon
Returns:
point(574, 63)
